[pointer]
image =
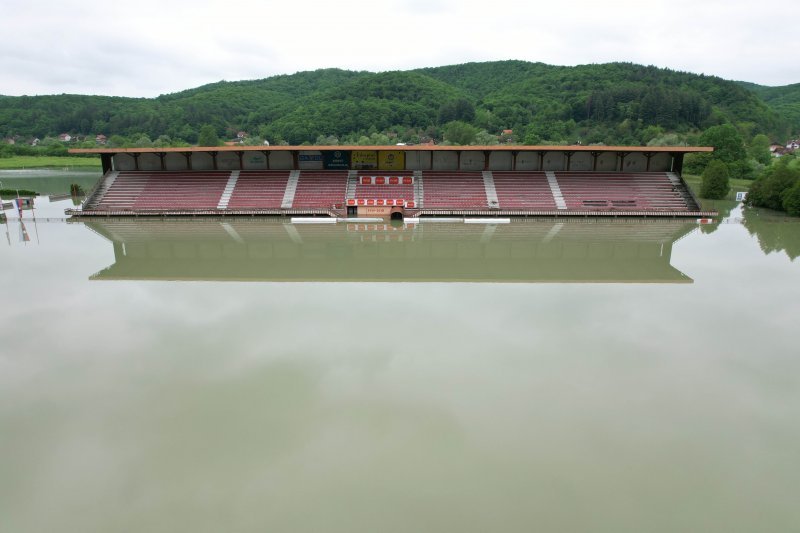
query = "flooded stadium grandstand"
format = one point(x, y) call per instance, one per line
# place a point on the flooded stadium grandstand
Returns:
point(394, 182)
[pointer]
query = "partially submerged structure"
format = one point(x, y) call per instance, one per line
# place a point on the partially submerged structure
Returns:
point(394, 182)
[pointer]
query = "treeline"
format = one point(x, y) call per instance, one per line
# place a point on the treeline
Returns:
point(616, 103)
point(778, 187)
point(784, 100)
point(777, 180)
point(662, 106)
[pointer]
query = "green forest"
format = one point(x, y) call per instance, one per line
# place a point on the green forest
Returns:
point(615, 103)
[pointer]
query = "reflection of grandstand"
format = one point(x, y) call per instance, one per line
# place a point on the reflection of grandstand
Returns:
point(429, 181)
point(257, 249)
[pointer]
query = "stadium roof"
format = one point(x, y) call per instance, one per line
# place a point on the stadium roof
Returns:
point(402, 148)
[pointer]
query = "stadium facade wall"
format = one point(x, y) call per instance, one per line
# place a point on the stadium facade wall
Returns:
point(523, 160)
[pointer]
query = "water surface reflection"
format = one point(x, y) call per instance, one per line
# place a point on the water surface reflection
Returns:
point(320, 405)
point(537, 250)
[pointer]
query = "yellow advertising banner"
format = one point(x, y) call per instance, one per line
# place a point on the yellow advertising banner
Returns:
point(364, 159)
point(391, 160)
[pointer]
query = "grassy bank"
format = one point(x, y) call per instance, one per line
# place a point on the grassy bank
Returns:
point(696, 182)
point(12, 193)
point(29, 161)
point(48, 185)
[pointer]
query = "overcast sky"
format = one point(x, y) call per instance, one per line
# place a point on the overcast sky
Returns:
point(147, 47)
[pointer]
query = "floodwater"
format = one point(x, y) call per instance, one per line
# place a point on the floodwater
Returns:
point(249, 374)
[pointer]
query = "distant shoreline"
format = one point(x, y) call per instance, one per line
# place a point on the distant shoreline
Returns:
point(24, 162)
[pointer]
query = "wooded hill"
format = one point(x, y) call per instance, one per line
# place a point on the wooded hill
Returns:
point(615, 103)
point(784, 100)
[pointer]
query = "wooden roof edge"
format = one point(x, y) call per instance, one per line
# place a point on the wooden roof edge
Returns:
point(404, 148)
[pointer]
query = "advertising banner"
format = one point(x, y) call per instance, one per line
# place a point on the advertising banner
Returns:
point(364, 159)
point(255, 160)
point(374, 211)
point(310, 160)
point(336, 160)
point(391, 160)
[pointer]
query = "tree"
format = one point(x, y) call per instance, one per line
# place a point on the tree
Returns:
point(667, 139)
point(768, 190)
point(728, 147)
point(162, 141)
point(483, 137)
point(461, 109)
point(759, 149)
point(457, 132)
point(728, 144)
point(117, 141)
point(715, 180)
point(791, 199)
point(208, 136)
point(142, 141)
point(650, 133)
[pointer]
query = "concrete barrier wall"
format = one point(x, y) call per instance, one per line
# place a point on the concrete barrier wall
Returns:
point(123, 162)
point(661, 162)
point(228, 161)
point(581, 162)
point(254, 161)
point(149, 162)
point(607, 162)
point(173, 161)
point(528, 161)
point(473, 161)
point(554, 161)
point(500, 160)
point(202, 161)
point(444, 161)
point(281, 161)
point(418, 160)
point(635, 162)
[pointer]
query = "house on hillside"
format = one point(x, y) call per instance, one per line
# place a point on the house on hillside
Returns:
point(240, 138)
point(35, 141)
point(65, 137)
point(101, 139)
point(793, 145)
point(777, 150)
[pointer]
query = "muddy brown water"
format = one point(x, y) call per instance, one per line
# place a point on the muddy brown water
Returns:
point(255, 375)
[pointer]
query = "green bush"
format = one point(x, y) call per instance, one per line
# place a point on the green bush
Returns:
point(769, 189)
point(715, 180)
point(791, 199)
